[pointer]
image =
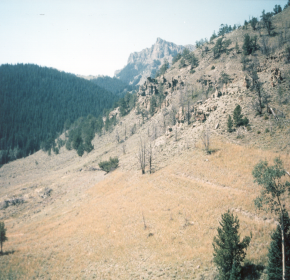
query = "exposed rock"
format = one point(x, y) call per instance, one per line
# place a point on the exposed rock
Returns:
point(142, 64)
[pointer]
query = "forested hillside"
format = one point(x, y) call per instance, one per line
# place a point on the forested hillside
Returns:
point(35, 102)
point(113, 85)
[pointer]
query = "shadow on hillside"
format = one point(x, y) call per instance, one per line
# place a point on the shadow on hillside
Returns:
point(7, 253)
point(252, 271)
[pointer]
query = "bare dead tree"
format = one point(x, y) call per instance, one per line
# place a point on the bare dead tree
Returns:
point(124, 148)
point(117, 136)
point(205, 138)
point(142, 155)
point(150, 156)
point(176, 134)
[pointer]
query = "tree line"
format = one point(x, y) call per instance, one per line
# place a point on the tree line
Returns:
point(35, 103)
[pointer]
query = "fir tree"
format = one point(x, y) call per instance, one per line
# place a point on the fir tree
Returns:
point(230, 124)
point(236, 271)
point(237, 116)
point(272, 195)
point(274, 268)
point(3, 237)
point(227, 246)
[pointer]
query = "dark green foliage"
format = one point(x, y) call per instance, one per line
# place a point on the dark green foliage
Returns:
point(109, 165)
point(153, 105)
point(213, 36)
point(228, 249)
point(250, 44)
point(35, 102)
point(188, 57)
point(254, 22)
point(238, 117)
point(277, 9)
point(176, 58)
point(287, 5)
point(163, 68)
point(224, 78)
point(237, 47)
point(269, 177)
point(236, 271)
point(201, 42)
point(221, 46)
point(113, 85)
point(230, 124)
point(127, 103)
point(287, 50)
point(267, 20)
point(245, 25)
point(224, 29)
point(213, 67)
point(274, 268)
point(3, 236)
point(82, 133)
point(218, 47)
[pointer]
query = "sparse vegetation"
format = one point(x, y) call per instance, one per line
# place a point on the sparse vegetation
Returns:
point(109, 165)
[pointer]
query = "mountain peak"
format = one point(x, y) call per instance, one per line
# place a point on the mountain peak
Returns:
point(144, 64)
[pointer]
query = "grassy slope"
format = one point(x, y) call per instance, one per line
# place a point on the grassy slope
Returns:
point(92, 225)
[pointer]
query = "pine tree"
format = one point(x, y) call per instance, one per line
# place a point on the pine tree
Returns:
point(274, 268)
point(227, 246)
point(3, 237)
point(236, 272)
point(230, 124)
point(272, 196)
point(237, 116)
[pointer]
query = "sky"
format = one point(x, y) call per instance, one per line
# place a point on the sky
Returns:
point(96, 37)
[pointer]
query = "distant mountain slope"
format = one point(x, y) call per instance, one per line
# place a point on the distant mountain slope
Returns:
point(113, 85)
point(36, 101)
point(145, 63)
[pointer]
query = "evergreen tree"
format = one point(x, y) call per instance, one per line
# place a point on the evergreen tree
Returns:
point(227, 246)
point(277, 9)
point(3, 237)
point(274, 268)
point(254, 22)
point(237, 116)
point(236, 271)
point(272, 195)
point(230, 124)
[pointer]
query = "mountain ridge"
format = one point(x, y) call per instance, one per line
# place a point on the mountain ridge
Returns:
point(145, 63)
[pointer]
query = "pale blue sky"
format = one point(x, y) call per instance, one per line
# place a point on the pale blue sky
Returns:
point(96, 37)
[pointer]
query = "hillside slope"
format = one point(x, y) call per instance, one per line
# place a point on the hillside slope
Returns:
point(35, 102)
point(67, 219)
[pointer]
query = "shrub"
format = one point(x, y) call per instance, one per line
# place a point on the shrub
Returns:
point(212, 68)
point(109, 165)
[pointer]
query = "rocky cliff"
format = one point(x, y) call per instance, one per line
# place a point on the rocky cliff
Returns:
point(145, 63)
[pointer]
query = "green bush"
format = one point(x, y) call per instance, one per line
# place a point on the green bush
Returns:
point(212, 68)
point(109, 165)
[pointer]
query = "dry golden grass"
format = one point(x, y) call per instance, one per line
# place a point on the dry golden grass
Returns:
point(103, 234)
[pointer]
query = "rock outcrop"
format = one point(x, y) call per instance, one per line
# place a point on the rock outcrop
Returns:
point(144, 64)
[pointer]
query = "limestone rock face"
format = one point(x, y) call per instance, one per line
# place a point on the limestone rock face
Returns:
point(144, 64)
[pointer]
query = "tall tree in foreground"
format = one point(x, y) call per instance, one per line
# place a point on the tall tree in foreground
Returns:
point(274, 269)
point(229, 251)
point(271, 179)
point(3, 237)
